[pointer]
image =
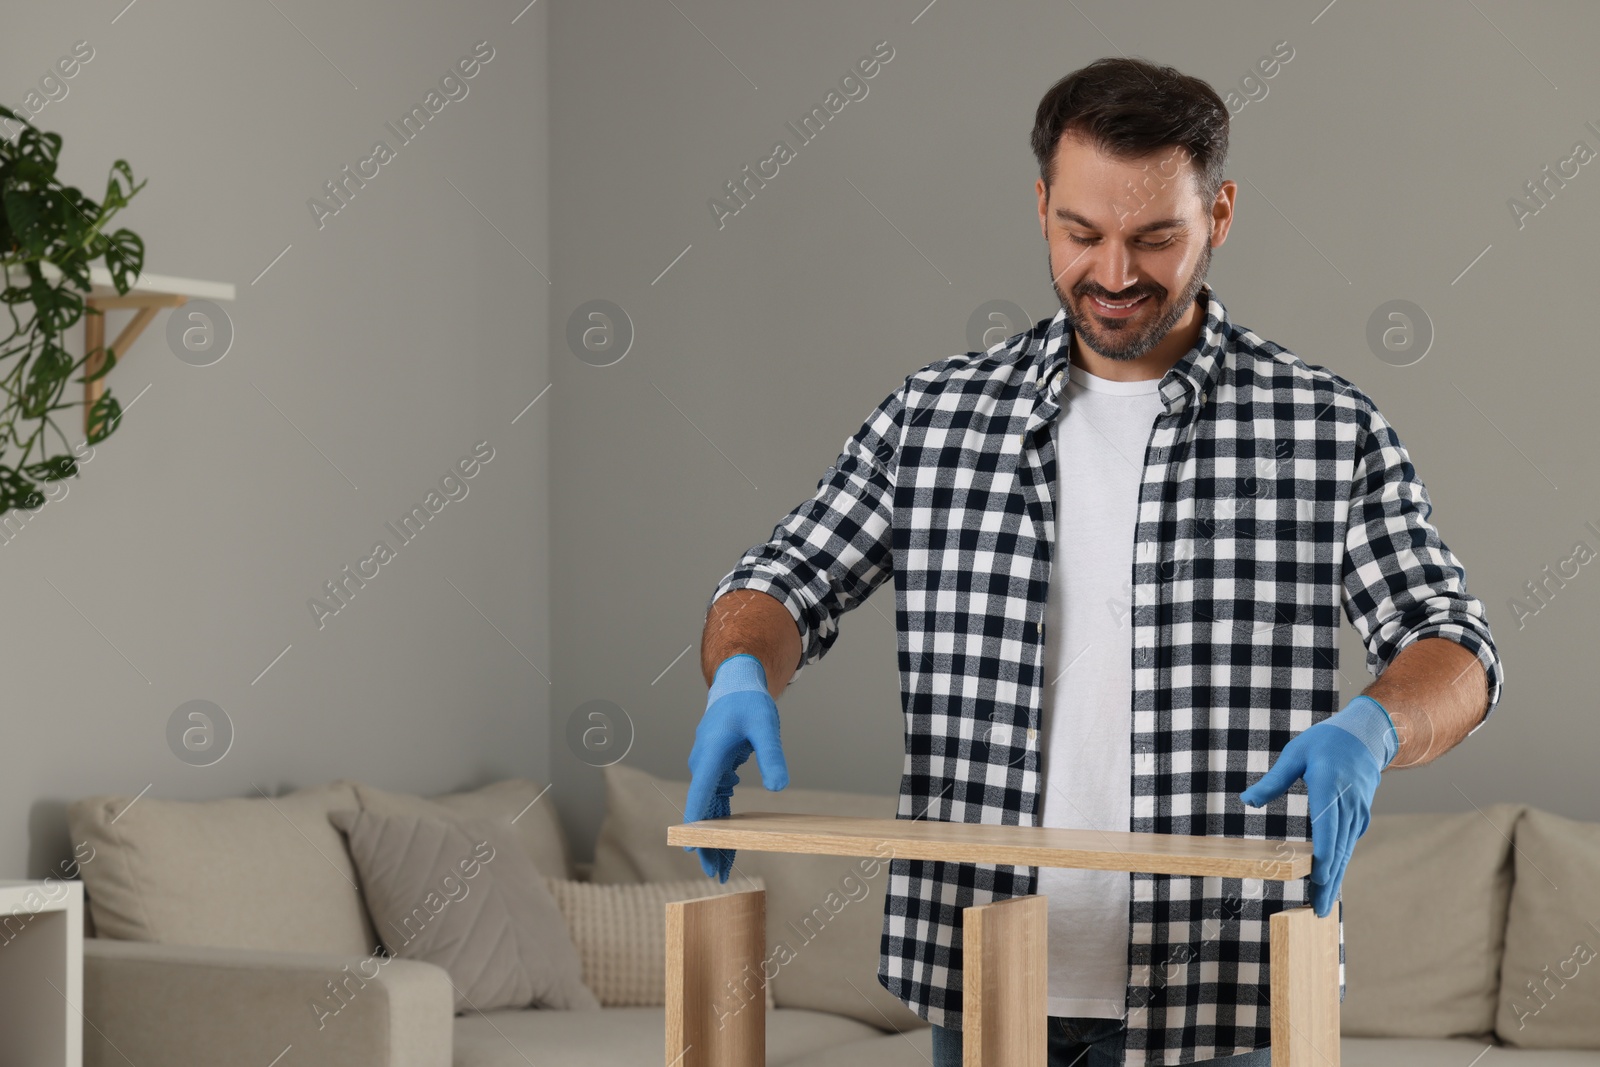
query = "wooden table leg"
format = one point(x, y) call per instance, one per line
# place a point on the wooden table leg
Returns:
point(716, 995)
point(1305, 988)
point(1003, 983)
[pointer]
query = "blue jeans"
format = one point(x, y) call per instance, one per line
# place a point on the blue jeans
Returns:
point(1075, 1042)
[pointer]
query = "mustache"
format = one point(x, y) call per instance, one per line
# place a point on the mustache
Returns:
point(1123, 299)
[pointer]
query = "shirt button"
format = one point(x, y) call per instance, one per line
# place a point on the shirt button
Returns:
point(1032, 733)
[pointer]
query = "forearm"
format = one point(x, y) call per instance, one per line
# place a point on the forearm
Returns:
point(748, 620)
point(1436, 692)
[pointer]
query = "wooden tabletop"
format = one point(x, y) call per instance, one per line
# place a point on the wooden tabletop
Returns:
point(1033, 846)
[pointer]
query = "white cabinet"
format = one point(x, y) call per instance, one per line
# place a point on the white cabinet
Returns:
point(41, 973)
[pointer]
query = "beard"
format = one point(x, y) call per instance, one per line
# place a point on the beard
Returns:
point(1128, 339)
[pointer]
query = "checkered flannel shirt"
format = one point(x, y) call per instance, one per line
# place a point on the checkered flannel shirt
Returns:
point(1273, 492)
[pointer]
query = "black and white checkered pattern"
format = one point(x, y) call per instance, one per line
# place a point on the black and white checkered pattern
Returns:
point(1273, 493)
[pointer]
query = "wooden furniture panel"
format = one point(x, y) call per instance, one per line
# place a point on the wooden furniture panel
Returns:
point(1305, 988)
point(1032, 846)
point(1004, 971)
point(716, 1011)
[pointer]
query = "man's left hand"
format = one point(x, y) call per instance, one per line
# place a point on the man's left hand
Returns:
point(1340, 759)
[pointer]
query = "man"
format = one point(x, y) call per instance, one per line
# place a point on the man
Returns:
point(1119, 544)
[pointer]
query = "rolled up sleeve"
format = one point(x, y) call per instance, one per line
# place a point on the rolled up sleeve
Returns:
point(834, 549)
point(1401, 582)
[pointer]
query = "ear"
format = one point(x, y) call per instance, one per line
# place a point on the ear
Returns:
point(1222, 212)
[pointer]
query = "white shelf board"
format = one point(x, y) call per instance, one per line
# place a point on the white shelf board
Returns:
point(100, 279)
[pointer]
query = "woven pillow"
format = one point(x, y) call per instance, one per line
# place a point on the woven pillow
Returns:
point(464, 894)
point(826, 911)
point(620, 931)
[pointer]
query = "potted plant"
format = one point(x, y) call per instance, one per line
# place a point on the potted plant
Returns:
point(50, 236)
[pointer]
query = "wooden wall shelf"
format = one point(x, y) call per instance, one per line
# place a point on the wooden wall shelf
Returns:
point(148, 295)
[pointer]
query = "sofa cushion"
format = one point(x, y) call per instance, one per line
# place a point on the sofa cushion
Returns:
point(824, 913)
point(1550, 978)
point(627, 1037)
point(461, 893)
point(1425, 900)
point(246, 872)
point(914, 1049)
point(1446, 1052)
point(528, 804)
point(620, 932)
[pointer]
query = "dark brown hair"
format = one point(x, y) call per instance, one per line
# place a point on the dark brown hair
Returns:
point(1130, 108)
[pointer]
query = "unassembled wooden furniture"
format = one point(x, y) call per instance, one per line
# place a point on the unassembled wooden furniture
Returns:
point(714, 940)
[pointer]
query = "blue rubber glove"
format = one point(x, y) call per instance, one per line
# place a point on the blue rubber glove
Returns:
point(1340, 759)
point(740, 718)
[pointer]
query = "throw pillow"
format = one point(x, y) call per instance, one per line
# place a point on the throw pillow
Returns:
point(1425, 900)
point(532, 809)
point(621, 933)
point(251, 872)
point(1550, 977)
point(463, 894)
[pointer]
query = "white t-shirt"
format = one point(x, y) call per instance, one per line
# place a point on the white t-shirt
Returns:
point(1100, 439)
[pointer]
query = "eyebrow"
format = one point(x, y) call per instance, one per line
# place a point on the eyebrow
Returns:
point(1159, 224)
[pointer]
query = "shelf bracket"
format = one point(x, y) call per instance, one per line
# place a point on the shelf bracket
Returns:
point(94, 335)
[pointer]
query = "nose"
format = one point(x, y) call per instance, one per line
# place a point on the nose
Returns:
point(1112, 269)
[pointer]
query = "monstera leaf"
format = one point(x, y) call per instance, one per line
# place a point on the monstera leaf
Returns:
point(44, 223)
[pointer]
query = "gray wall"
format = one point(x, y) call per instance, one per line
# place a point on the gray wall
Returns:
point(379, 349)
point(1377, 166)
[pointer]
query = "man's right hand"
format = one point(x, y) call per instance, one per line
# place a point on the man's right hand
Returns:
point(740, 718)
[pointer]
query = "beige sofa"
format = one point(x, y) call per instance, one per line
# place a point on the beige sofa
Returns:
point(221, 925)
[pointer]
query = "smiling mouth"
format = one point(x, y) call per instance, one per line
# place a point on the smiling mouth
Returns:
point(1119, 308)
